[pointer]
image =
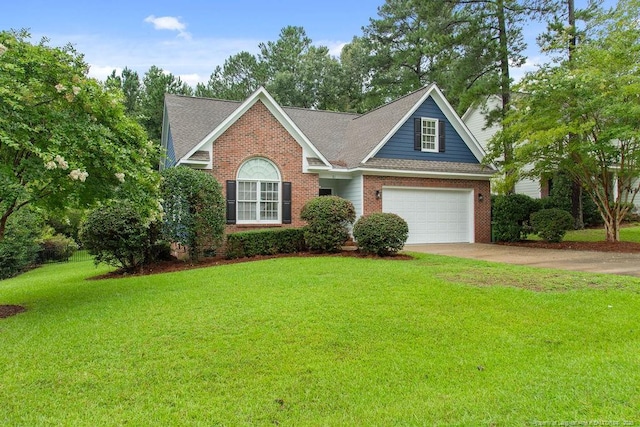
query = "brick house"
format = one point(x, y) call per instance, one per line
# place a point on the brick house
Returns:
point(413, 157)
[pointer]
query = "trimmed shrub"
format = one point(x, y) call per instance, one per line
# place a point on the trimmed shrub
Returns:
point(328, 219)
point(510, 216)
point(19, 247)
point(381, 233)
point(551, 224)
point(117, 235)
point(194, 210)
point(57, 248)
point(265, 242)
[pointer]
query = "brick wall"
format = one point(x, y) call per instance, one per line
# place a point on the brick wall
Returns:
point(259, 134)
point(482, 219)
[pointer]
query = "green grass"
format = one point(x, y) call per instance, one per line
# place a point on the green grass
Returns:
point(321, 341)
point(627, 234)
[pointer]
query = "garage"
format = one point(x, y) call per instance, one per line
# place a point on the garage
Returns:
point(433, 215)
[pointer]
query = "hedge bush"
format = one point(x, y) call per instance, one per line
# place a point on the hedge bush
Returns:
point(551, 224)
point(328, 220)
point(194, 210)
point(19, 247)
point(57, 248)
point(265, 242)
point(117, 235)
point(510, 216)
point(381, 233)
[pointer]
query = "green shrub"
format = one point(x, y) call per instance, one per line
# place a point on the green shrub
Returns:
point(510, 216)
point(117, 235)
point(19, 248)
point(560, 197)
point(551, 224)
point(265, 242)
point(381, 233)
point(194, 210)
point(57, 248)
point(328, 219)
point(67, 223)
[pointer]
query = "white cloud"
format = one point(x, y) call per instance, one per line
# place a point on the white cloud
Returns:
point(170, 23)
point(102, 72)
point(531, 64)
point(193, 79)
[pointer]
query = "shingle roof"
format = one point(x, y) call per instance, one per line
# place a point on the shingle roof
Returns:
point(344, 139)
point(427, 166)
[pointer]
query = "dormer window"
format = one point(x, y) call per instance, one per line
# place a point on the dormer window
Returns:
point(429, 135)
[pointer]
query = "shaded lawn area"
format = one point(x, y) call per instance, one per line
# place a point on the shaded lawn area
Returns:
point(321, 341)
point(627, 234)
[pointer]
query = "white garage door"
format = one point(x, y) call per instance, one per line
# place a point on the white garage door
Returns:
point(433, 215)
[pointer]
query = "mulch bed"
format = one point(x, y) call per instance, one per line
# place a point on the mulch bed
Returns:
point(177, 265)
point(603, 246)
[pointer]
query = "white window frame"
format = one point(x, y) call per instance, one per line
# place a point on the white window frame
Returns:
point(259, 181)
point(424, 135)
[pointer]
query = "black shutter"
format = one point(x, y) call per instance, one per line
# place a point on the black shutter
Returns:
point(417, 134)
point(231, 202)
point(441, 138)
point(286, 203)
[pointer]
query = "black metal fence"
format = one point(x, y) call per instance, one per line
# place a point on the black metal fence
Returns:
point(54, 255)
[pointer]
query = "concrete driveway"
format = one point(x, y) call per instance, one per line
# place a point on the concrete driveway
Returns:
point(595, 262)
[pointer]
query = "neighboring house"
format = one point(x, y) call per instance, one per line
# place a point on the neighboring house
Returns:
point(413, 157)
point(476, 120)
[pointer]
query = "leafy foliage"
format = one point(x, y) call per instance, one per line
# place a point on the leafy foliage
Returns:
point(265, 242)
point(551, 224)
point(64, 140)
point(510, 216)
point(328, 219)
point(57, 248)
point(19, 248)
point(194, 209)
point(117, 235)
point(381, 233)
point(560, 197)
point(582, 116)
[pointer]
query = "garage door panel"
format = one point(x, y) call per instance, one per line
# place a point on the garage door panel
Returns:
point(433, 215)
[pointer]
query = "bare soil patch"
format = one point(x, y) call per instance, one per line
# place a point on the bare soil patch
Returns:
point(10, 310)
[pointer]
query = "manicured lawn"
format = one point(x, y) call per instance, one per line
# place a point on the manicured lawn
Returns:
point(321, 341)
point(627, 234)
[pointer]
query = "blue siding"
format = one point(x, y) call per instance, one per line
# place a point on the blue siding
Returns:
point(170, 155)
point(400, 145)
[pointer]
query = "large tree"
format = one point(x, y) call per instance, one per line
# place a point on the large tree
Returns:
point(583, 116)
point(64, 139)
point(239, 77)
point(156, 83)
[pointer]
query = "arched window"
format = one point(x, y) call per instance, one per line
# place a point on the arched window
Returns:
point(258, 186)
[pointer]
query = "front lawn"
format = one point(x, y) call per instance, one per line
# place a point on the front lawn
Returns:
point(321, 341)
point(627, 234)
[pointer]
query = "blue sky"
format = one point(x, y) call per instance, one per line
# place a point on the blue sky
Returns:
point(189, 38)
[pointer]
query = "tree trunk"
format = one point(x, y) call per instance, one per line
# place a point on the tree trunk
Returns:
point(576, 205)
point(576, 187)
point(505, 86)
point(612, 230)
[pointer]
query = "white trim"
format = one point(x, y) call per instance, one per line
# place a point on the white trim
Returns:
point(348, 173)
point(436, 142)
point(446, 108)
point(260, 95)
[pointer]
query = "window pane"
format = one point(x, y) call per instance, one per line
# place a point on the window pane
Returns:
point(247, 191)
point(247, 211)
point(269, 210)
point(429, 130)
point(268, 191)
